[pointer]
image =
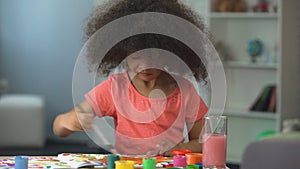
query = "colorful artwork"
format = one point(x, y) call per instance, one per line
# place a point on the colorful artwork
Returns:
point(34, 162)
point(76, 160)
point(101, 159)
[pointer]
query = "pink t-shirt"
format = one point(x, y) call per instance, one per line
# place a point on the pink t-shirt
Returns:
point(142, 122)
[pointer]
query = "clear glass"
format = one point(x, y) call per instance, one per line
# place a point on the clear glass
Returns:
point(214, 139)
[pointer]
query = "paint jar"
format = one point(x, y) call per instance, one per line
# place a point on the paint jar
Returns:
point(21, 162)
point(124, 164)
point(149, 163)
point(169, 166)
point(193, 158)
point(192, 166)
point(179, 158)
point(200, 165)
point(111, 158)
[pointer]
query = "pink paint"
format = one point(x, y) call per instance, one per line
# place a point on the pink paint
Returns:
point(214, 150)
point(179, 161)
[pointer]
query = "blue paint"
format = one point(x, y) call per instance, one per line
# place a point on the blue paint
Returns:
point(21, 162)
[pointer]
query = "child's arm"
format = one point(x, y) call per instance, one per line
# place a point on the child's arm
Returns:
point(194, 135)
point(193, 143)
point(67, 123)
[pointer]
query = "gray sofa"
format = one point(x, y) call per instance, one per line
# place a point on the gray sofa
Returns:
point(281, 151)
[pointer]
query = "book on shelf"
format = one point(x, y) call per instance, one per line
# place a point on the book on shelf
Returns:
point(266, 100)
point(272, 105)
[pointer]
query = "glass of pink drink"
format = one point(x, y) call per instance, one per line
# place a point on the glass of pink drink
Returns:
point(214, 141)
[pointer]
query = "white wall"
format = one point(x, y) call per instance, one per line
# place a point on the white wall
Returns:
point(39, 43)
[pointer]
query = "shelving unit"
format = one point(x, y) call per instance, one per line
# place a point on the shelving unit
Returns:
point(249, 65)
point(245, 79)
point(280, 35)
point(243, 15)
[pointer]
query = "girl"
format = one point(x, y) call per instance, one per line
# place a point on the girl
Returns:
point(151, 101)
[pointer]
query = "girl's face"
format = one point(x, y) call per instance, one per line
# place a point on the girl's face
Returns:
point(145, 68)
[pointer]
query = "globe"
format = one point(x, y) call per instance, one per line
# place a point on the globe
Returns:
point(254, 48)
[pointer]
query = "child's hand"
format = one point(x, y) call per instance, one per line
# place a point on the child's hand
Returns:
point(86, 120)
point(166, 148)
point(78, 119)
point(85, 116)
point(73, 121)
point(81, 118)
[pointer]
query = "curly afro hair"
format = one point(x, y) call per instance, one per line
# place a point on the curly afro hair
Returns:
point(114, 9)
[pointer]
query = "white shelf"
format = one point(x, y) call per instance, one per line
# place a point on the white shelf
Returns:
point(250, 65)
point(243, 15)
point(250, 114)
point(245, 80)
point(233, 158)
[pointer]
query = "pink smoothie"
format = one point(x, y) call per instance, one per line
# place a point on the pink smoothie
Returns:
point(214, 150)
